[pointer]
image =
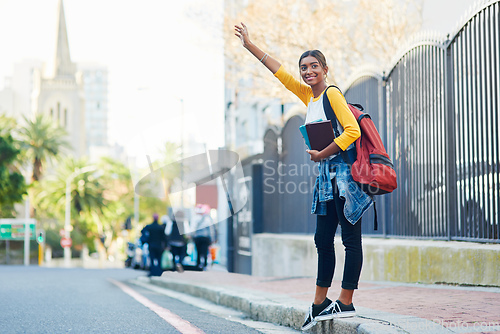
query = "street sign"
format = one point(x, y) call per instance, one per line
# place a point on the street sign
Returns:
point(16, 230)
point(66, 242)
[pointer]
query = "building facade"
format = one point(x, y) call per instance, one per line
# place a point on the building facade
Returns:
point(95, 88)
point(58, 90)
point(74, 95)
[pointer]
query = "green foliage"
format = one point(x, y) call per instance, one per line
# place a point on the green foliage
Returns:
point(12, 189)
point(12, 183)
point(101, 200)
point(52, 239)
point(43, 140)
point(7, 125)
point(86, 195)
point(148, 205)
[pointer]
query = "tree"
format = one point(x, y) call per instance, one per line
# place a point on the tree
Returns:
point(391, 23)
point(284, 29)
point(119, 195)
point(287, 28)
point(87, 201)
point(43, 141)
point(12, 184)
point(100, 202)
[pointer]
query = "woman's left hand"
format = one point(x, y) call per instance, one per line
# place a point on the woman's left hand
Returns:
point(315, 156)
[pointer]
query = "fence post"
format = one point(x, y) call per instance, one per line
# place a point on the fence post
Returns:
point(450, 151)
point(382, 107)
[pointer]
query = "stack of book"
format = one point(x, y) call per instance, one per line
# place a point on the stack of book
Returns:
point(317, 134)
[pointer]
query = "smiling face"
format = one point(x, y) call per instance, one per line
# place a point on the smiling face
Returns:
point(312, 71)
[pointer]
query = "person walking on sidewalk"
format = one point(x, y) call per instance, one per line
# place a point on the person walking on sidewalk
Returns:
point(204, 234)
point(176, 241)
point(337, 199)
point(157, 240)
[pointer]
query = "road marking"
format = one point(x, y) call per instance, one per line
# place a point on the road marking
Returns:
point(217, 310)
point(180, 324)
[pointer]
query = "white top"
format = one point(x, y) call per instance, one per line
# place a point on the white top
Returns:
point(315, 110)
point(168, 224)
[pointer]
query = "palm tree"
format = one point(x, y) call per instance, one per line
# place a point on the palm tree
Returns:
point(43, 140)
point(87, 199)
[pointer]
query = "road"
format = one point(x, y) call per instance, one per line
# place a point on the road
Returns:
point(58, 300)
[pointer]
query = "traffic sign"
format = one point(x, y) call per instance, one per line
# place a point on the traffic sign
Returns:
point(14, 229)
point(66, 242)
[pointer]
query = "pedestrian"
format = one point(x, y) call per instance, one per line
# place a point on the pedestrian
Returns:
point(328, 204)
point(203, 234)
point(176, 241)
point(154, 236)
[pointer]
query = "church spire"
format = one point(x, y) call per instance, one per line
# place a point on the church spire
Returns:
point(62, 61)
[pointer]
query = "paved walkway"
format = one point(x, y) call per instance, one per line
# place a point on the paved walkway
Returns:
point(382, 307)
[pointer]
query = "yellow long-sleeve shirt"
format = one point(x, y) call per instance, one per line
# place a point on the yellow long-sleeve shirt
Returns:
point(339, 105)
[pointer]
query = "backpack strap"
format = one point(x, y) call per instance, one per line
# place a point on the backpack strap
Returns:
point(330, 114)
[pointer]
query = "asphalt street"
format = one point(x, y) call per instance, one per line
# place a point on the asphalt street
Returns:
point(58, 300)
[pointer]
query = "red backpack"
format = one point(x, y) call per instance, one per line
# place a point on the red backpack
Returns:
point(372, 168)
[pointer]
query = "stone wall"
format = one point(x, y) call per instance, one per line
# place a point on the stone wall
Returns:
point(397, 260)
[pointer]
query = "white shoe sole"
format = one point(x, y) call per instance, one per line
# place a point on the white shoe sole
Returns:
point(309, 325)
point(347, 314)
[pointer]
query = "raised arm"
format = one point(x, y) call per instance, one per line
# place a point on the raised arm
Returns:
point(242, 32)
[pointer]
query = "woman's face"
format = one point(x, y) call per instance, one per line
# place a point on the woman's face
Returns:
point(311, 71)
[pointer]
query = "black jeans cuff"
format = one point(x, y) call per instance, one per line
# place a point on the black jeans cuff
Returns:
point(323, 284)
point(349, 286)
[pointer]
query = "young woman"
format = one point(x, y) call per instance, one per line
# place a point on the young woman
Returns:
point(335, 191)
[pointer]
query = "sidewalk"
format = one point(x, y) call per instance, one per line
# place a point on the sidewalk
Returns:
point(382, 307)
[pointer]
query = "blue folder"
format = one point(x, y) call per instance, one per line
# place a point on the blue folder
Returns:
point(303, 131)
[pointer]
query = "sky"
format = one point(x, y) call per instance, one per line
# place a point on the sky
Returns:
point(156, 56)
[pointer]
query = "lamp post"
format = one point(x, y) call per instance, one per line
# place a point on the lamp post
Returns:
point(67, 216)
point(181, 101)
point(182, 154)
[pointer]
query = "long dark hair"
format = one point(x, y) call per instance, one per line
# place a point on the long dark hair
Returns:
point(316, 54)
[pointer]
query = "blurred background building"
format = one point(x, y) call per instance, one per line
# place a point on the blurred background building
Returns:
point(74, 95)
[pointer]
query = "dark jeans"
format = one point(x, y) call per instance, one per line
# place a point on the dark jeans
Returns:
point(202, 244)
point(155, 254)
point(326, 226)
point(178, 253)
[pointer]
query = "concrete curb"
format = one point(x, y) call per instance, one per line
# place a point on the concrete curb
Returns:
point(286, 311)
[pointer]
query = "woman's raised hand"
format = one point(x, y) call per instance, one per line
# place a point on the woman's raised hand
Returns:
point(242, 34)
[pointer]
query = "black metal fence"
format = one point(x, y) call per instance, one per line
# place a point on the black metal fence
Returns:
point(437, 111)
point(441, 103)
